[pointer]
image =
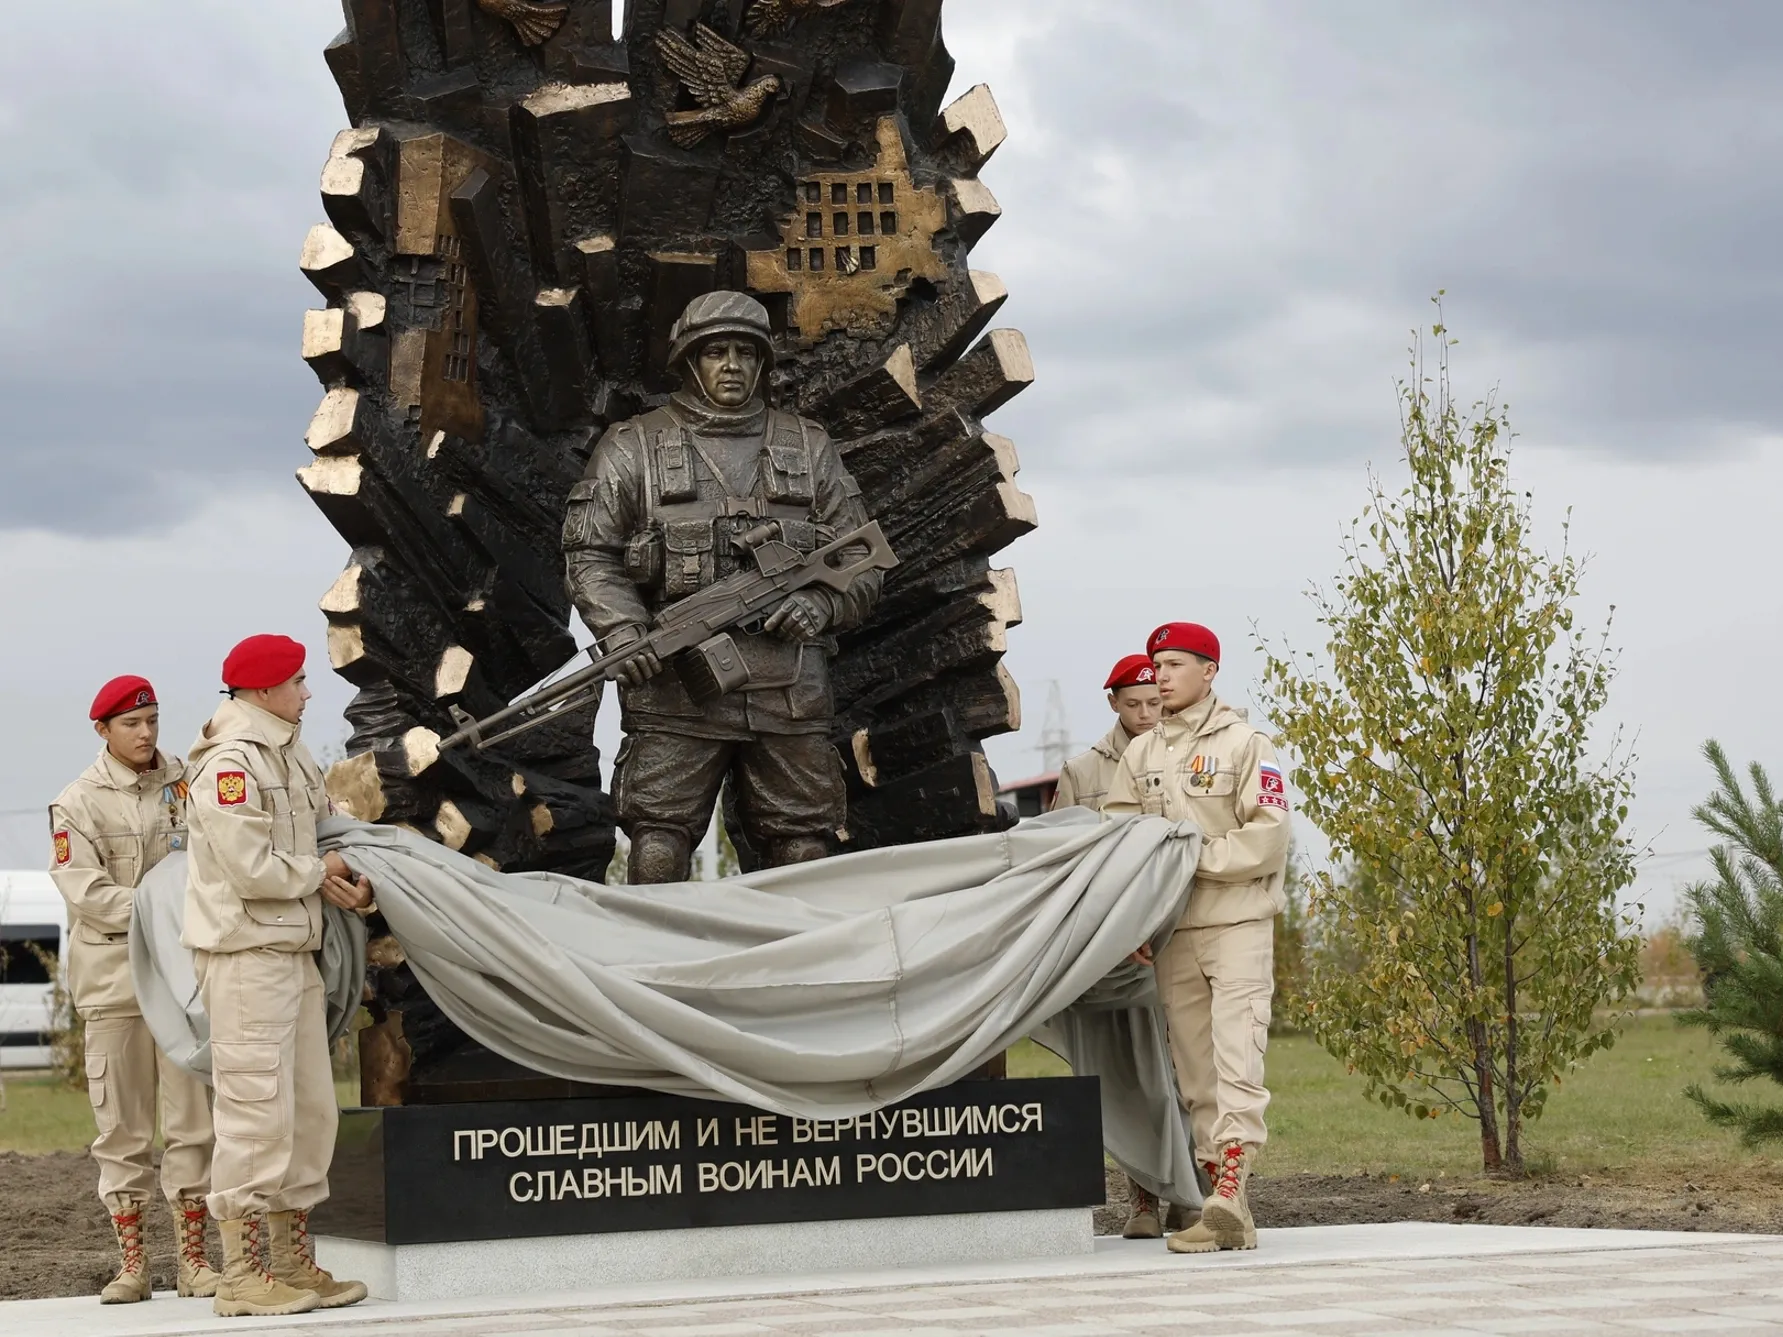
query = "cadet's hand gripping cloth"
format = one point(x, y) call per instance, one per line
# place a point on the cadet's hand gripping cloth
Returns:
point(820, 990)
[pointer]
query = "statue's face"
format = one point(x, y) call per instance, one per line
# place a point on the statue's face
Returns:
point(726, 370)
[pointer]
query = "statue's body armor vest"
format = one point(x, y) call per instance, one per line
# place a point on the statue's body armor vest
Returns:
point(694, 513)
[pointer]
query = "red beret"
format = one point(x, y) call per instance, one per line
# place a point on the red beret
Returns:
point(262, 661)
point(1131, 672)
point(120, 694)
point(1190, 636)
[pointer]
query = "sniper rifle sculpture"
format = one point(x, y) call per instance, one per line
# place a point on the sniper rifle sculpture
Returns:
point(693, 634)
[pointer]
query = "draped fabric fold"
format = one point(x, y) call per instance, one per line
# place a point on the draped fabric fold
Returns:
point(821, 990)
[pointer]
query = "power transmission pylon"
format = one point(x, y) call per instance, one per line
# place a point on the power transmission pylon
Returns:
point(1055, 733)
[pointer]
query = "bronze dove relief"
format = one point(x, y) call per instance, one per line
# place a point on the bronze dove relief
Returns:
point(713, 70)
point(533, 23)
point(768, 18)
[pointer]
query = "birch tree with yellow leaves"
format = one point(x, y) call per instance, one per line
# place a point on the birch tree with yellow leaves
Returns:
point(1444, 744)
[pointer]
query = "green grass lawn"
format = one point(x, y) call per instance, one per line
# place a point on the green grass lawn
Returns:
point(1622, 1113)
point(45, 1114)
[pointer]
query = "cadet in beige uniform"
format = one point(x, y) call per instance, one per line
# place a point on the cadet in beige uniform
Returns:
point(1132, 689)
point(254, 923)
point(126, 813)
point(1216, 976)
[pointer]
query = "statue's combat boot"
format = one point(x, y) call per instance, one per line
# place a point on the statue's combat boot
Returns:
point(195, 1274)
point(1142, 1214)
point(1226, 1215)
point(246, 1287)
point(132, 1282)
point(291, 1257)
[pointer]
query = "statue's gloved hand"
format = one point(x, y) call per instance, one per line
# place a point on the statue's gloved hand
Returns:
point(641, 667)
point(803, 615)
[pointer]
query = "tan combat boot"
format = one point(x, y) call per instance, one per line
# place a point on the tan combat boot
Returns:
point(195, 1275)
point(291, 1257)
point(1142, 1214)
point(1226, 1215)
point(246, 1287)
point(132, 1282)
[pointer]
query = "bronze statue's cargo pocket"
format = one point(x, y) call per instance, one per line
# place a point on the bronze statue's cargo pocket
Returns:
point(643, 559)
point(578, 515)
point(792, 473)
point(674, 469)
point(687, 557)
point(246, 1074)
point(625, 751)
point(808, 695)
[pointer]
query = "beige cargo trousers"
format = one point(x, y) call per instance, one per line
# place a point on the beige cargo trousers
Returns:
point(1216, 985)
point(126, 1073)
point(108, 829)
point(275, 1113)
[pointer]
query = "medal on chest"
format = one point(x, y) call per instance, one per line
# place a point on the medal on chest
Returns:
point(1203, 771)
point(174, 797)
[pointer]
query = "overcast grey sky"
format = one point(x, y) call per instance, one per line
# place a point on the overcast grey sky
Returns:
point(1220, 222)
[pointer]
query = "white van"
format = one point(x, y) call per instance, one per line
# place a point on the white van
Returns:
point(32, 912)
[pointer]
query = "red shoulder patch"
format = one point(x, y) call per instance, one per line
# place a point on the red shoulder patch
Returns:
point(232, 788)
point(64, 851)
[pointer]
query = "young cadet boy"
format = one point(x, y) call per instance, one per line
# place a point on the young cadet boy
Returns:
point(126, 813)
point(1203, 762)
point(254, 922)
point(1132, 689)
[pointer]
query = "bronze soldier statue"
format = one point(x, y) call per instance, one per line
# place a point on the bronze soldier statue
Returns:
point(662, 512)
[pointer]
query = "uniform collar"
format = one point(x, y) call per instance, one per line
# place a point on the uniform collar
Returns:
point(236, 718)
point(110, 771)
point(1113, 744)
point(1192, 721)
point(692, 411)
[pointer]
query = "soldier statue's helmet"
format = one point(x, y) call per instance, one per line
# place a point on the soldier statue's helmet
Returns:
point(715, 314)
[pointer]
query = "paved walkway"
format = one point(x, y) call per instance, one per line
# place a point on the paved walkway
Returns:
point(1333, 1280)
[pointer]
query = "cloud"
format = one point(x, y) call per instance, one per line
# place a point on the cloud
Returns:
point(1222, 219)
point(166, 602)
point(159, 177)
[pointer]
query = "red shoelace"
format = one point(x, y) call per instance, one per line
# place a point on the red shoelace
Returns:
point(1232, 1158)
point(192, 1236)
point(129, 1228)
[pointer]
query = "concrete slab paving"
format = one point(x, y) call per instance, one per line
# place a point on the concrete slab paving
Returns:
point(1333, 1281)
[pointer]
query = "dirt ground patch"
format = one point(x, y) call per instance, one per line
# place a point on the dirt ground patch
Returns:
point(55, 1237)
point(57, 1240)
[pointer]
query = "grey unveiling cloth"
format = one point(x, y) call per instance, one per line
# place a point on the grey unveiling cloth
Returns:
point(167, 987)
point(821, 990)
